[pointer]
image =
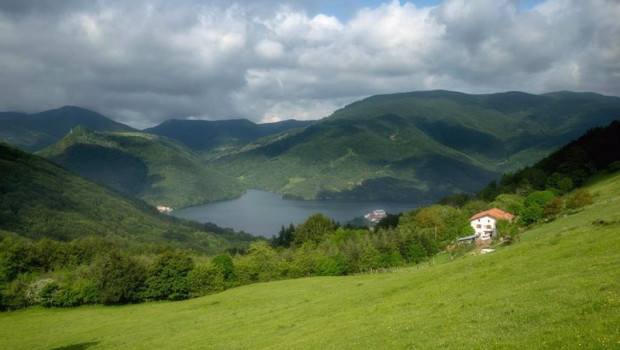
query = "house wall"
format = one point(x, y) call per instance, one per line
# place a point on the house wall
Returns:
point(484, 226)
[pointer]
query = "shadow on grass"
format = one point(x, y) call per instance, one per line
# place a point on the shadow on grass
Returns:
point(80, 346)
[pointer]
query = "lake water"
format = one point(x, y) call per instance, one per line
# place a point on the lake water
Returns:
point(263, 213)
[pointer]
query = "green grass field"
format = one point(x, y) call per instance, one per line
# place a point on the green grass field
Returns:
point(558, 288)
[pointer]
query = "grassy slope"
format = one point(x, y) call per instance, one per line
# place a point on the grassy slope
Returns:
point(558, 288)
point(172, 176)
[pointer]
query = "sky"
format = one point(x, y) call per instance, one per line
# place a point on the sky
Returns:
point(141, 62)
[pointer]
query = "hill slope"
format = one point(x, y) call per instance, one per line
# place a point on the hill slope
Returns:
point(558, 288)
point(596, 151)
point(33, 132)
point(39, 199)
point(153, 168)
point(419, 145)
point(209, 137)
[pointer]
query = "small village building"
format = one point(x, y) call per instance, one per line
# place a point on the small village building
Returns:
point(376, 215)
point(164, 209)
point(484, 223)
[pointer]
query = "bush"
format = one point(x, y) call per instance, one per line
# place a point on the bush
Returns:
point(119, 277)
point(580, 198)
point(335, 265)
point(554, 207)
point(507, 230)
point(168, 277)
point(205, 280)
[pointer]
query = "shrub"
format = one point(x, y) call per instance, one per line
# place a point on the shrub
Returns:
point(167, 278)
point(119, 277)
point(205, 280)
point(554, 207)
point(580, 198)
point(335, 265)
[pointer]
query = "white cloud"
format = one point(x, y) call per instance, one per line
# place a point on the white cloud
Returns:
point(148, 60)
point(269, 49)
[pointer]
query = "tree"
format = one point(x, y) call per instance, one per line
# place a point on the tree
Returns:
point(119, 277)
point(313, 230)
point(390, 221)
point(167, 278)
point(534, 206)
point(225, 265)
point(304, 261)
point(507, 230)
point(539, 198)
point(285, 237)
point(511, 203)
point(205, 280)
point(259, 265)
point(530, 214)
point(335, 265)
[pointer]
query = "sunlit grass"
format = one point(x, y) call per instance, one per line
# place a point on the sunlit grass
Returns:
point(558, 288)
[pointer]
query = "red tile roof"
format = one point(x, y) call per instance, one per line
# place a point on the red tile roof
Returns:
point(496, 213)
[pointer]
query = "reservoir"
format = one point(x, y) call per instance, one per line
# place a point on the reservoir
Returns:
point(263, 213)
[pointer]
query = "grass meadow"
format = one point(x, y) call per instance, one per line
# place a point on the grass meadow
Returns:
point(558, 288)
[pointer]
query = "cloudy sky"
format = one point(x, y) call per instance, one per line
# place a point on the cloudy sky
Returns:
point(143, 61)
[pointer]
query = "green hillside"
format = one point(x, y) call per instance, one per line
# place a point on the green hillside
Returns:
point(422, 145)
point(211, 138)
point(33, 132)
point(153, 168)
point(39, 199)
point(557, 288)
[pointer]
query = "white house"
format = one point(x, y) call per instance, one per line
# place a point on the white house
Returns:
point(164, 209)
point(484, 222)
point(376, 215)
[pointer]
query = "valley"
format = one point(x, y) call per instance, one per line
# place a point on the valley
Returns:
point(557, 288)
point(548, 276)
point(288, 174)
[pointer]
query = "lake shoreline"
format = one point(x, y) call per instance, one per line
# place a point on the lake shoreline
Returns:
point(263, 213)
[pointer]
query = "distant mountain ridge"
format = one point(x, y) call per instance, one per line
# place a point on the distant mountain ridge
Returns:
point(407, 146)
point(204, 136)
point(32, 132)
point(419, 145)
point(156, 169)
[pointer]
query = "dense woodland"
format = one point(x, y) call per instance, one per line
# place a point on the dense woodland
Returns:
point(110, 270)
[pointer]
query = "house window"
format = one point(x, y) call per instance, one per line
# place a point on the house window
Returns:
point(478, 226)
point(488, 226)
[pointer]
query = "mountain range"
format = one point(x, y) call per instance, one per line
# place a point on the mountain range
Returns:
point(416, 146)
point(419, 145)
point(211, 138)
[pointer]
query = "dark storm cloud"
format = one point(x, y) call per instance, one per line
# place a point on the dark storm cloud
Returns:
point(144, 61)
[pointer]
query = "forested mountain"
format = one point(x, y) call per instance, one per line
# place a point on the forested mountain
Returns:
point(596, 151)
point(216, 136)
point(419, 145)
point(33, 132)
point(39, 199)
point(156, 169)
